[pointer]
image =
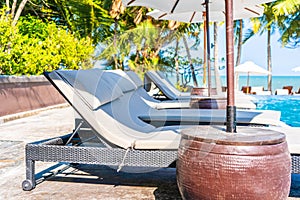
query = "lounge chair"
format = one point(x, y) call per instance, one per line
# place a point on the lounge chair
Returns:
point(167, 104)
point(120, 121)
point(92, 96)
point(259, 90)
point(167, 88)
point(289, 88)
point(246, 89)
point(298, 92)
point(281, 92)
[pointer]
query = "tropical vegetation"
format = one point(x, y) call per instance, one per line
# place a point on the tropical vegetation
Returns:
point(124, 38)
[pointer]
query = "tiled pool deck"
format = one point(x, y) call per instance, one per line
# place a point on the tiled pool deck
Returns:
point(76, 182)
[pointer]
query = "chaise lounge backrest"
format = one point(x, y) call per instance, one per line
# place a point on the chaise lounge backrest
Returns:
point(86, 91)
point(165, 86)
point(140, 90)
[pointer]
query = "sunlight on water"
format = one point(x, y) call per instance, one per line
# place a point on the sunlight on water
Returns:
point(289, 106)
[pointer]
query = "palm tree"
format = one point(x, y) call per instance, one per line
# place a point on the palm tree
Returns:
point(239, 40)
point(287, 13)
point(216, 59)
point(283, 14)
point(263, 24)
point(190, 61)
point(11, 11)
point(146, 40)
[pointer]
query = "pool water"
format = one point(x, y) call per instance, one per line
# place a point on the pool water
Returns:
point(289, 105)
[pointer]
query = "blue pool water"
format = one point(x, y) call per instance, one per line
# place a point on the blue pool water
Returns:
point(289, 105)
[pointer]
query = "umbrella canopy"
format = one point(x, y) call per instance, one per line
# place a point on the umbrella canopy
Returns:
point(200, 16)
point(296, 69)
point(197, 16)
point(179, 6)
point(250, 68)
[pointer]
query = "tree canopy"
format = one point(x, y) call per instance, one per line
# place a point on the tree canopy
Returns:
point(106, 23)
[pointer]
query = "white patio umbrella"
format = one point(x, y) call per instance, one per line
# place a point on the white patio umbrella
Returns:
point(179, 6)
point(200, 16)
point(296, 69)
point(197, 16)
point(248, 68)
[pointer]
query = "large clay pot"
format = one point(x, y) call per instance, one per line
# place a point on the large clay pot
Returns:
point(251, 164)
point(208, 103)
point(203, 91)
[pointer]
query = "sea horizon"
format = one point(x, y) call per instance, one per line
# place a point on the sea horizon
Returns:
point(278, 81)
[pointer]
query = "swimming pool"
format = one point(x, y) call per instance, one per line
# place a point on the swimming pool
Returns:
point(289, 105)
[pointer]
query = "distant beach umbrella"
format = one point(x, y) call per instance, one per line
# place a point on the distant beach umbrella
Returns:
point(250, 67)
point(296, 69)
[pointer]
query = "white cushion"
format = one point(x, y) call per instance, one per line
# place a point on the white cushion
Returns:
point(118, 78)
point(91, 86)
point(282, 92)
point(135, 78)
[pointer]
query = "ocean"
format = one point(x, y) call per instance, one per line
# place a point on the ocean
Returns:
point(277, 81)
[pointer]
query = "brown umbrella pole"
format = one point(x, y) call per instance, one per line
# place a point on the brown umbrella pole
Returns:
point(204, 50)
point(231, 109)
point(208, 46)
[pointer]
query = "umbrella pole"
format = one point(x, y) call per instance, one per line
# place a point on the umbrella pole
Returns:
point(208, 46)
point(231, 109)
point(248, 83)
point(204, 50)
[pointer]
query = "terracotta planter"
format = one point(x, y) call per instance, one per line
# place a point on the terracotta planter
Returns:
point(208, 103)
point(203, 91)
point(251, 164)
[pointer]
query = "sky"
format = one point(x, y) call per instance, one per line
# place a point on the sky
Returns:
point(255, 49)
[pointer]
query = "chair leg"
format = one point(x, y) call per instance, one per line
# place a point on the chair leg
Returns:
point(29, 183)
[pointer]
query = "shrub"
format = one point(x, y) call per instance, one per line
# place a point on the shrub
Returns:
point(33, 46)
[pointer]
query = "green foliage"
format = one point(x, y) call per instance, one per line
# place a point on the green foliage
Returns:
point(33, 47)
point(287, 14)
point(33, 27)
point(82, 17)
point(282, 15)
point(140, 43)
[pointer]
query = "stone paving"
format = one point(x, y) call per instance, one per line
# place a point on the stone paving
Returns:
point(79, 181)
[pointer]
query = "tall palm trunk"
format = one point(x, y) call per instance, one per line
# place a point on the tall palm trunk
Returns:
point(7, 5)
point(240, 43)
point(269, 60)
point(13, 8)
point(115, 43)
point(176, 62)
point(19, 11)
point(216, 63)
point(190, 61)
